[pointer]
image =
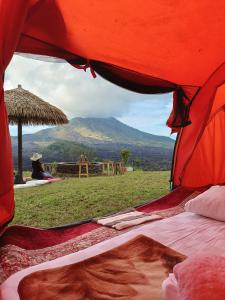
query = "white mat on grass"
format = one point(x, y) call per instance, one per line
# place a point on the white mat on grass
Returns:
point(30, 183)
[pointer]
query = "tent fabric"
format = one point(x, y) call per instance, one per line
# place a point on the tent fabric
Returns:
point(132, 80)
point(208, 155)
point(182, 100)
point(186, 163)
point(162, 39)
point(12, 19)
point(146, 46)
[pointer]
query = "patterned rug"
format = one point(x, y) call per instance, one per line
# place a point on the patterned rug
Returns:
point(14, 258)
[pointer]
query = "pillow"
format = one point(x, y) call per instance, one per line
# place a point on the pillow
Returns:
point(200, 278)
point(210, 204)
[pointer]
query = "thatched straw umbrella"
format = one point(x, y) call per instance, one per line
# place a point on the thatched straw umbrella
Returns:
point(24, 108)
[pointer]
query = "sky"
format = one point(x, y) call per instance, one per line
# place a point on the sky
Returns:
point(78, 94)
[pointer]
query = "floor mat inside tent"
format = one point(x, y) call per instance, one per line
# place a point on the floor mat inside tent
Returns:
point(22, 247)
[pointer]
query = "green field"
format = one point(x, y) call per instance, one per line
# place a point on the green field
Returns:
point(76, 199)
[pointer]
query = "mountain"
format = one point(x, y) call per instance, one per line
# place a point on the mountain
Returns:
point(99, 138)
point(94, 131)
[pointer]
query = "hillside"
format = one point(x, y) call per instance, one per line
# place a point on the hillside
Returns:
point(99, 138)
point(52, 150)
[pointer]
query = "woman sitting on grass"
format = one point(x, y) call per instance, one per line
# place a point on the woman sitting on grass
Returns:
point(38, 171)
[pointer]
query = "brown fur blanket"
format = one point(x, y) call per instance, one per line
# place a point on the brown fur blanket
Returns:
point(134, 271)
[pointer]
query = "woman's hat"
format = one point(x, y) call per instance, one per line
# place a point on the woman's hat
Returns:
point(36, 156)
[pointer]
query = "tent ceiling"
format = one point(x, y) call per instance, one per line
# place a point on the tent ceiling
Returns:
point(178, 41)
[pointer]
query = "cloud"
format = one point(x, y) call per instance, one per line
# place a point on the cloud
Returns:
point(78, 94)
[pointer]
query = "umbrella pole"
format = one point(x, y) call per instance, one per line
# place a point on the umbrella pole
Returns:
point(20, 154)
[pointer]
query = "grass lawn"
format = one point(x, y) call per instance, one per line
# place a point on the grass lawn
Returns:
point(77, 199)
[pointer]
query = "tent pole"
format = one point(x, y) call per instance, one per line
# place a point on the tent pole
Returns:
point(171, 182)
point(20, 154)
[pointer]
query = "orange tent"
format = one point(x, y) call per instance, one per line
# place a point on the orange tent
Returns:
point(145, 46)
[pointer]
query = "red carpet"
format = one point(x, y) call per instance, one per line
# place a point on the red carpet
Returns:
point(33, 238)
point(174, 198)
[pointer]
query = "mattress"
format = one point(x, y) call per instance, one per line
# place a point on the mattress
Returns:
point(186, 233)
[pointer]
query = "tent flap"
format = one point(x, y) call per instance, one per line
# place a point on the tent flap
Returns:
point(196, 150)
point(177, 41)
